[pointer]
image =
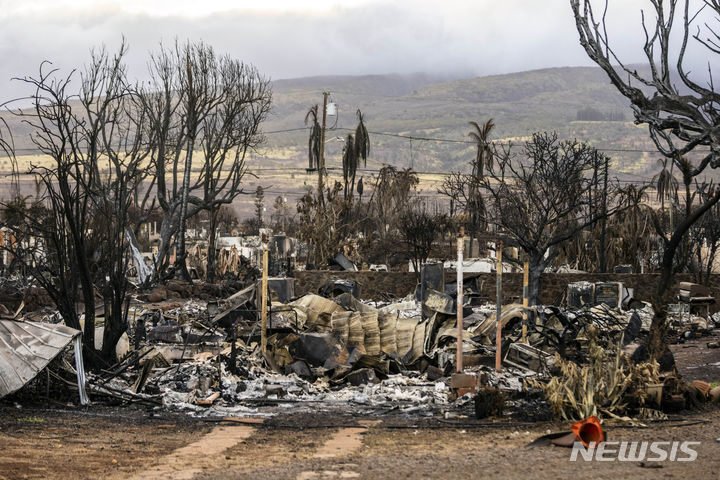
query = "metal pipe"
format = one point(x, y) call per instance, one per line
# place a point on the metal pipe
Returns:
point(459, 269)
point(263, 315)
point(498, 306)
point(80, 369)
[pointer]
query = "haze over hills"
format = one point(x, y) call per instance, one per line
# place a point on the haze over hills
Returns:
point(421, 121)
point(421, 106)
point(439, 107)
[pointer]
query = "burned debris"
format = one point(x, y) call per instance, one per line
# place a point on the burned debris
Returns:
point(334, 350)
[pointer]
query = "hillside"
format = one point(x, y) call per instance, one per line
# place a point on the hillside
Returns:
point(420, 106)
point(431, 106)
point(423, 105)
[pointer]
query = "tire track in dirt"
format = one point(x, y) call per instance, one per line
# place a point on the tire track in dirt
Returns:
point(184, 463)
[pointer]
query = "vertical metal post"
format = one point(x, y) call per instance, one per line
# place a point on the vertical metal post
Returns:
point(459, 269)
point(80, 370)
point(498, 284)
point(322, 132)
point(263, 317)
point(526, 299)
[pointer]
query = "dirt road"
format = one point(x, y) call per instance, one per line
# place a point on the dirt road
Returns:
point(118, 444)
point(300, 443)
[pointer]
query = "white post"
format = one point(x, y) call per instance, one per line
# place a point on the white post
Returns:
point(459, 269)
point(80, 369)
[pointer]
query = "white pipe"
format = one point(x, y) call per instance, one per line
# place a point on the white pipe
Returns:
point(459, 268)
point(80, 369)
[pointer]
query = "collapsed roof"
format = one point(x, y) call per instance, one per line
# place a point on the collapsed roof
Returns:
point(26, 348)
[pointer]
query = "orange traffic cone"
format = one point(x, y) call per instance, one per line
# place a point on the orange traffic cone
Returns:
point(585, 431)
point(588, 430)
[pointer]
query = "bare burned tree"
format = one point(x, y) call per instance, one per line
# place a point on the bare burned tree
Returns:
point(391, 196)
point(463, 189)
point(124, 157)
point(161, 98)
point(199, 77)
point(229, 132)
point(198, 100)
point(419, 230)
point(679, 119)
point(539, 197)
point(93, 138)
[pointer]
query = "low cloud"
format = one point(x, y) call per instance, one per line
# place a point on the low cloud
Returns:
point(476, 38)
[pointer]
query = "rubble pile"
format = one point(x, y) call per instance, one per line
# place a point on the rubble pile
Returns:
point(341, 350)
point(207, 357)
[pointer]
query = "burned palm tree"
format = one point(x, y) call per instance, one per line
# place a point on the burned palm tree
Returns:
point(686, 170)
point(311, 117)
point(483, 158)
point(349, 165)
point(666, 185)
point(314, 148)
point(481, 135)
point(362, 139)
point(356, 148)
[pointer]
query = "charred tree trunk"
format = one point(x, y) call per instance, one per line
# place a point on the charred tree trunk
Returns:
point(210, 270)
point(180, 262)
point(115, 326)
point(536, 265)
point(162, 261)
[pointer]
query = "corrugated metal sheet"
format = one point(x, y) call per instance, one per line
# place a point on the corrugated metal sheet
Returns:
point(26, 348)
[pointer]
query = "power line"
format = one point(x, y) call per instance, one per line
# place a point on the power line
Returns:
point(469, 142)
point(286, 130)
point(417, 138)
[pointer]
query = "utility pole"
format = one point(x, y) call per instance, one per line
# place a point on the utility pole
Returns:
point(321, 160)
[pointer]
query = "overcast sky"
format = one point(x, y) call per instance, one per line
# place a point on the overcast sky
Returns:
point(294, 38)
